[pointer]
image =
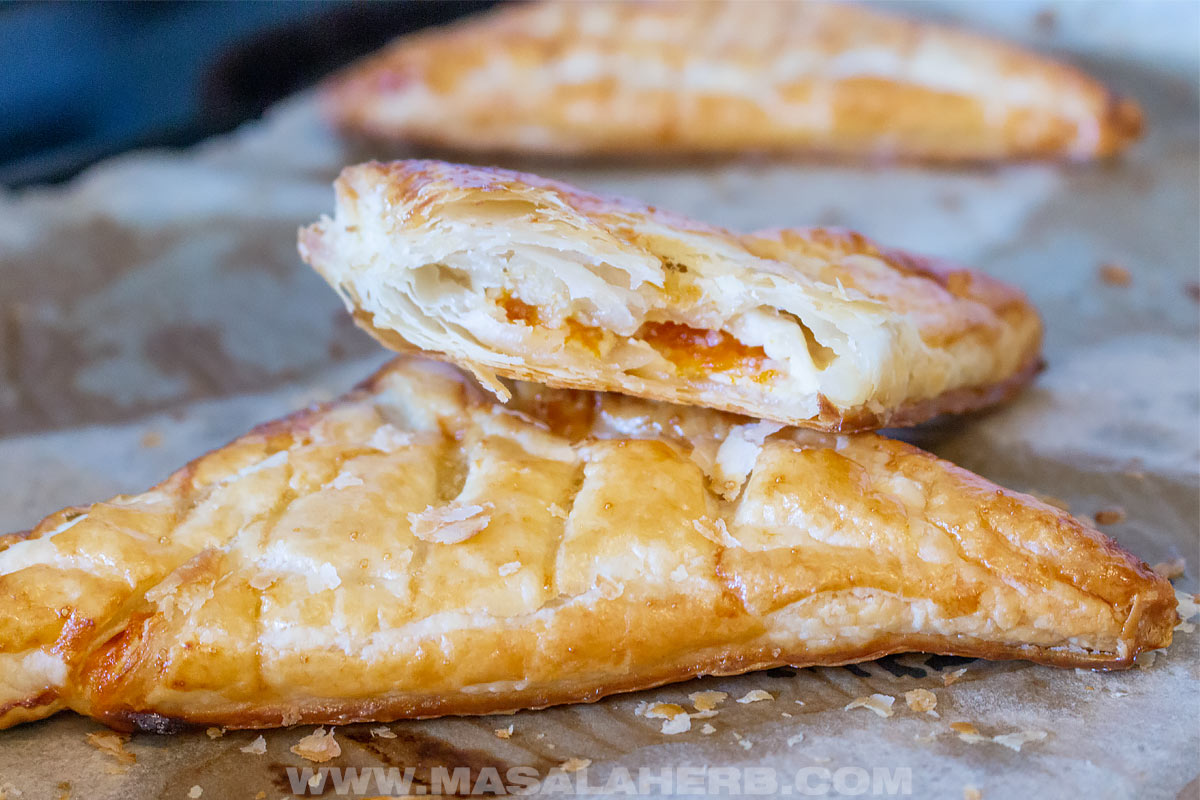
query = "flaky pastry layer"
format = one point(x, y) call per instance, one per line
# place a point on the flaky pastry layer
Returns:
point(416, 549)
point(642, 78)
point(509, 274)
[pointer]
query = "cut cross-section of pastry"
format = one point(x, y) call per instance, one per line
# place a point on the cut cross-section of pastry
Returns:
point(417, 549)
point(509, 274)
point(713, 78)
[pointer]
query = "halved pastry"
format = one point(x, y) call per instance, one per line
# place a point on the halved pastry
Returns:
point(509, 274)
point(686, 78)
point(416, 549)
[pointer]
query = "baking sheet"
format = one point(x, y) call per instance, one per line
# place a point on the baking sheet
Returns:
point(155, 308)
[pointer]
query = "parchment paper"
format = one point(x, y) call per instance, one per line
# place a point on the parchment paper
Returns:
point(155, 308)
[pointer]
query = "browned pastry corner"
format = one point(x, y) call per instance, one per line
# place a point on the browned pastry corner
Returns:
point(416, 549)
point(512, 275)
point(704, 78)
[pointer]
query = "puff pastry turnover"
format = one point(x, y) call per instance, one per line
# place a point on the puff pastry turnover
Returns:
point(610, 78)
point(417, 549)
point(506, 273)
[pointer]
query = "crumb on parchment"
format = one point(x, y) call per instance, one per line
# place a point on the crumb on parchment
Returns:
point(952, 677)
point(113, 744)
point(1115, 275)
point(1109, 516)
point(707, 701)
point(256, 748)
point(318, 746)
point(1170, 569)
point(921, 700)
point(504, 733)
point(881, 704)
point(754, 696)
point(967, 732)
point(575, 764)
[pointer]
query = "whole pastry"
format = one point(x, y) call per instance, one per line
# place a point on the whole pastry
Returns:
point(686, 78)
point(417, 549)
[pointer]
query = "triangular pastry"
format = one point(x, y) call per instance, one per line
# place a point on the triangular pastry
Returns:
point(688, 78)
point(417, 549)
point(509, 274)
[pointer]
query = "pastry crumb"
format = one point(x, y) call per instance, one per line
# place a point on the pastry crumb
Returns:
point(345, 480)
point(504, 733)
point(1146, 659)
point(1115, 275)
point(971, 793)
point(113, 744)
point(1109, 516)
point(195, 792)
point(382, 732)
point(952, 677)
point(1013, 741)
point(152, 439)
point(215, 733)
point(1170, 569)
point(795, 739)
point(708, 729)
point(707, 701)
point(1187, 607)
point(318, 746)
point(256, 748)
point(785, 714)
point(678, 724)
point(755, 696)
point(575, 764)
point(745, 744)
point(881, 704)
point(450, 524)
point(967, 732)
point(921, 700)
point(260, 795)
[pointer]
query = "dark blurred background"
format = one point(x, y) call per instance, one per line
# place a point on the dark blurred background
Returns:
point(85, 80)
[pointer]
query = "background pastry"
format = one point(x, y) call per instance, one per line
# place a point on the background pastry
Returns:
point(417, 549)
point(509, 274)
point(614, 78)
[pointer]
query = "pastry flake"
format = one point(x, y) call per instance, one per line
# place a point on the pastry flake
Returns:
point(512, 275)
point(245, 591)
point(710, 78)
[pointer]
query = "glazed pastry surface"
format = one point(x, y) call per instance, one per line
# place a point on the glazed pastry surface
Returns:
point(687, 78)
point(513, 275)
point(417, 549)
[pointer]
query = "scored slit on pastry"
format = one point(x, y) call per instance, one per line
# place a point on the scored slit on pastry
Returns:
point(717, 78)
point(416, 549)
point(509, 274)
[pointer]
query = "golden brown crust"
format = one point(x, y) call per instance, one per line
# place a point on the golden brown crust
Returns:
point(637, 78)
point(442, 554)
point(514, 275)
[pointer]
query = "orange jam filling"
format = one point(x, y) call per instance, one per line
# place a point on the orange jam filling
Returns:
point(696, 352)
point(518, 311)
